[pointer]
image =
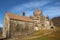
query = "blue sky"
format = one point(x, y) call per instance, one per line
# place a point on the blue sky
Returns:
point(48, 7)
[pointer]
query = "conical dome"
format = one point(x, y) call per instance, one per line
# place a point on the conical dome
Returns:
point(37, 12)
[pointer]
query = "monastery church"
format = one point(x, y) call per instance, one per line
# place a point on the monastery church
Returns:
point(16, 25)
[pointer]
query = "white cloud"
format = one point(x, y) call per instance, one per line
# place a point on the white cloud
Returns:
point(34, 4)
point(29, 5)
point(49, 9)
point(57, 3)
point(52, 11)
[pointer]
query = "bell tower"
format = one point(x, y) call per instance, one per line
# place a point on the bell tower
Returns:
point(39, 18)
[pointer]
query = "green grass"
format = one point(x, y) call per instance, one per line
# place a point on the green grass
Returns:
point(45, 38)
point(40, 32)
point(53, 36)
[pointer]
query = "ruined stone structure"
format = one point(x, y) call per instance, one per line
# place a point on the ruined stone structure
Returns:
point(40, 21)
point(16, 25)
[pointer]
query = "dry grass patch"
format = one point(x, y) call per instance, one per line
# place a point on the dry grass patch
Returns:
point(52, 36)
point(40, 32)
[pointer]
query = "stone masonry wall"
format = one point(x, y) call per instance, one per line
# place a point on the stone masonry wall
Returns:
point(6, 26)
point(18, 28)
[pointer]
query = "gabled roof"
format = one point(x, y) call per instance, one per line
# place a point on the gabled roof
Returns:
point(18, 17)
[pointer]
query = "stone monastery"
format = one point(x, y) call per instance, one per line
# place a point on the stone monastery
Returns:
point(16, 25)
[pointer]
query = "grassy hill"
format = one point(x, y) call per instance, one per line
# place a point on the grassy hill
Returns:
point(53, 36)
point(37, 34)
point(40, 32)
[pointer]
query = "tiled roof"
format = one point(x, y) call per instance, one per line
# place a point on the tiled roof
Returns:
point(18, 17)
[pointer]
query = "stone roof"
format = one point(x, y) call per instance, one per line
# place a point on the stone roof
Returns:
point(18, 17)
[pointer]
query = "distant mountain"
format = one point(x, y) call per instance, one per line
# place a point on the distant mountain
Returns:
point(56, 21)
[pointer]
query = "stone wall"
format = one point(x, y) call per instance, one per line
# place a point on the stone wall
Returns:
point(6, 26)
point(38, 20)
point(18, 28)
point(41, 22)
